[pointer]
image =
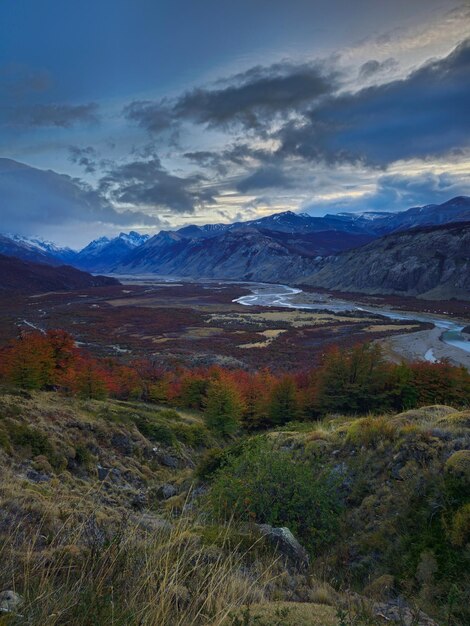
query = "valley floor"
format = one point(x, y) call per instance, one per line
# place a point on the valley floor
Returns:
point(425, 344)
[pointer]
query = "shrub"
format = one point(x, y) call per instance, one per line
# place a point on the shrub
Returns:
point(460, 534)
point(194, 435)
point(458, 466)
point(210, 462)
point(155, 431)
point(23, 436)
point(370, 431)
point(267, 485)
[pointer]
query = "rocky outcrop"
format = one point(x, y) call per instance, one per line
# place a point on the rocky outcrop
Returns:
point(285, 542)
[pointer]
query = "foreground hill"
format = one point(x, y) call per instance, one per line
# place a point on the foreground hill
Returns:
point(101, 517)
point(24, 276)
point(430, 262)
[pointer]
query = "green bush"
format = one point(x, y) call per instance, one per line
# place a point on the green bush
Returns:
point(194, 435)
point(267, 485)
point(155, 431)
point(23, 436)
point(210, 462)
point(169, 414)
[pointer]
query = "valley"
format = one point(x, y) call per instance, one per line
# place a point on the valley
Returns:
point(236, 324)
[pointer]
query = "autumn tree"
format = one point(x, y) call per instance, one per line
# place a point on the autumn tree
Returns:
point(353, 380)
point(29, 361)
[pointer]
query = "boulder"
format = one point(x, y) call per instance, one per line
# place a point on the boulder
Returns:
point(10, 601)
point(103, 472)
point(399, 612)
point(37, 477)
point(285, 542)
point(169, 461)
point(139, 501)
point(122, 443)
point(167, 491)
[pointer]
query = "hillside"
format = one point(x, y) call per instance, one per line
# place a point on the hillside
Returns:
point(100, 493)
point(23, 276)
point(432, 262)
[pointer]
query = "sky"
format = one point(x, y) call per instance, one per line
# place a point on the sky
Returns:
point(145, 114)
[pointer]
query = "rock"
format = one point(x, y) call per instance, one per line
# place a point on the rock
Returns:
point(167, 491)
point(169, 461)
point(102, 472)
point(115, 475)
point(122, 443)
point(139, 501)
point(399, 612)
point(287, 544)
point(93, 534)
point(10, 601)
point(37, 477)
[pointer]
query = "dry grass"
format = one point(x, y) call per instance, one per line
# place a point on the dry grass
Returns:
point(168, 577)
point(288, 614)
point(295, 319)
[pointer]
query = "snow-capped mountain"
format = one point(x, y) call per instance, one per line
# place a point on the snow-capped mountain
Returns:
point(65, 254)
point(286, 246)
point(104, 253)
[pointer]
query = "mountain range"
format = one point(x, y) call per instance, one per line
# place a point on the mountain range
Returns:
point(410, 252)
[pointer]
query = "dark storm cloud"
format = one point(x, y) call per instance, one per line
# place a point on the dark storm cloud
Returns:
point(153, 116)
point(59, 115)
point(31, 198)
point(264, 178)
point(147, 183)
point(425, 114)
point(255, 95)
point(250, 99)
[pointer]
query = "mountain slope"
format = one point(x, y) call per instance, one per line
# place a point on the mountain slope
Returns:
point(23, 276)
point(247, 254)
point(431, 262)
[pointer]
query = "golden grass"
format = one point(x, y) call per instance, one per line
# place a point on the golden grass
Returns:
point(377, 328)
point(167, 576)
point(296, 319)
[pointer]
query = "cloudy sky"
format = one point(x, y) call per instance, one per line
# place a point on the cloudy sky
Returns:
point(145, 114)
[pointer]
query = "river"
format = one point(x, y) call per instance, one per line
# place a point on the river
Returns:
point(269, 295)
